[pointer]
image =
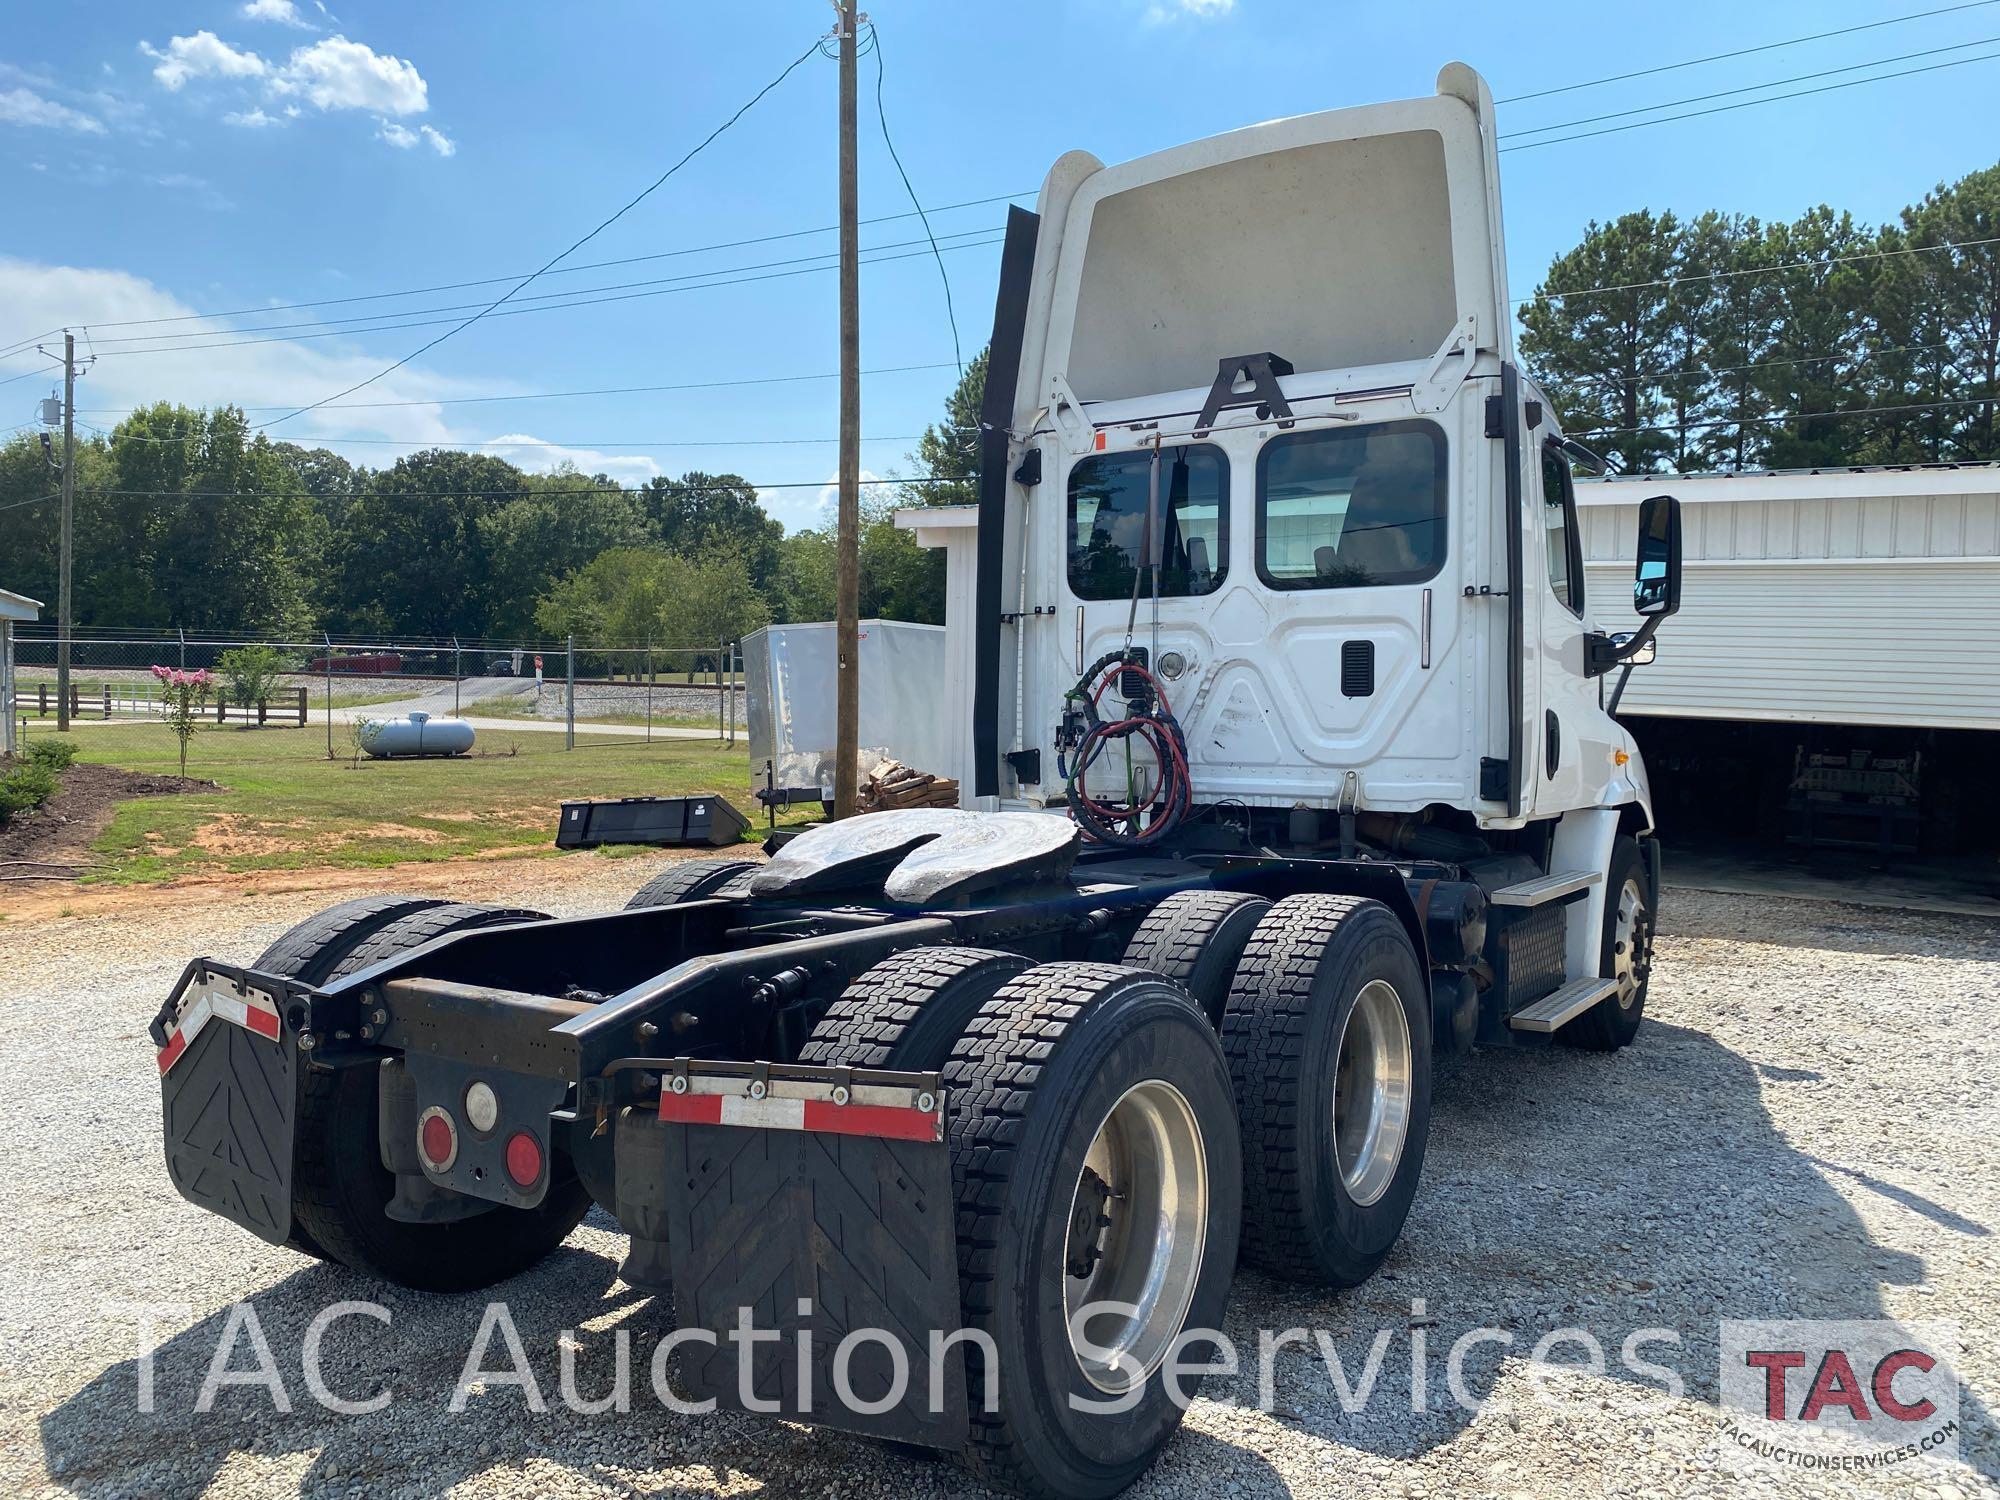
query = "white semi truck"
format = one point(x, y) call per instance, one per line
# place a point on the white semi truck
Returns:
point(1293, 773)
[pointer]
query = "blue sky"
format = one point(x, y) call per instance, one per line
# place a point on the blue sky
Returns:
point(179, 156)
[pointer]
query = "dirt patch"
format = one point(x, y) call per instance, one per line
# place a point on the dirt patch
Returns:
point(62, 827)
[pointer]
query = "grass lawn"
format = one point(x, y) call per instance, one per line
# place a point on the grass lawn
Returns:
point(286, 806)
point(492, 710)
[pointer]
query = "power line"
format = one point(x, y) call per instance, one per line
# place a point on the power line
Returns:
point(225, 343)
point(881, 114)
point(1801, 416)
point(593, 265)
point(1752, 88)
point(1805, 263)
point(550, 491)
point(703, 145)
point(609, 390)
point(1661, 376)
point(1721, 109)
point(691, 281)
point(1695, 62)
point(527, 442)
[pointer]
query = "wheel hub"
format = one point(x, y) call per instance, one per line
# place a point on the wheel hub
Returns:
point(1372, 1089)
point(1137, 1225)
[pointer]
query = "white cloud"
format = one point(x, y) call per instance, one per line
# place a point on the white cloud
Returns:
point(281, 11)
point(535, 455)
point(251, 119)
point(1202, 10)
point(403, 138)
point(203, 55)
point(282, 371)
point(339, 74)
point(811, 510)
point(25, 107)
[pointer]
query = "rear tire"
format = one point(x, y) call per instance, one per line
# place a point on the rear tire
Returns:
point(1069, 1068)
point(1625, 952)
point(308, 953)
point(1328, 1031)
point(695, 880)
point(341, 1190)
point(908, 1010)
point(1195, 939)
point(310, 950)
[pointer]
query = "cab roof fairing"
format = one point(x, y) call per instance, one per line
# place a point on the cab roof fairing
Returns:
point(1248, 241)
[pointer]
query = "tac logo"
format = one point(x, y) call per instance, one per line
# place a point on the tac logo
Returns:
point(1842, 1396)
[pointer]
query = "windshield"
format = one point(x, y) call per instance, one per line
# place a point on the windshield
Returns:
point(1108, 496)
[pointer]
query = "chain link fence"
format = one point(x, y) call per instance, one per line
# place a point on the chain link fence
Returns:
point(316, 690)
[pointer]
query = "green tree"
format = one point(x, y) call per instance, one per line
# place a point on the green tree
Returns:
point(1597, 336)
point(413, 556)
point(707, 515)
point(949, 449)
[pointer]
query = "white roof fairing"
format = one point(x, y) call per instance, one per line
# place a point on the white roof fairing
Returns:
point(1347, 238)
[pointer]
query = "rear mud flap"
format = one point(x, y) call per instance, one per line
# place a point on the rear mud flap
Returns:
point(816, 1221)
point(229, 1089)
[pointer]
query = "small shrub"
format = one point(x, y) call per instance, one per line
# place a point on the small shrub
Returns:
point(25, 787)
point(183, 694)
point(250, 673)
point(57, 755)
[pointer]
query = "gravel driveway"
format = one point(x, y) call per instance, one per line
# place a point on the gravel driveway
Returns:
point(1807, 1128)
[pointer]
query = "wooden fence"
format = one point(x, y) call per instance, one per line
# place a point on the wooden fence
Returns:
point(146, 700)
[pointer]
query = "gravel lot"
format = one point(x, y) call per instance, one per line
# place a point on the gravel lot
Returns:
point(1807, 1128)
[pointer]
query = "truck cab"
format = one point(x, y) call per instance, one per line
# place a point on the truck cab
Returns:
point(1263, 425)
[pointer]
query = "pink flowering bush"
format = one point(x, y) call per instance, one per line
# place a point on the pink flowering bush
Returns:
point(183, 693)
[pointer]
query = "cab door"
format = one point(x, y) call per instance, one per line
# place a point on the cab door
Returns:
point(1568, 744)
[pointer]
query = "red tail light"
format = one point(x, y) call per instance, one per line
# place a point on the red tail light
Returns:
point(524, 1159)
point(437, 1139)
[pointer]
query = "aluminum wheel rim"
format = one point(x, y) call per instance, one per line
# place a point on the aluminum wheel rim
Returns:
point(1146, 1173)
point(1625, 936)
point(1372, 1086)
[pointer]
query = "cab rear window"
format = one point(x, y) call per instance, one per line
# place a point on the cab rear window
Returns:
point(1352, 507)
point(1108, 498)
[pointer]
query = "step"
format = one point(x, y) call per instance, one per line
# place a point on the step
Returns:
point(1545, 888)
point(1564, 1006)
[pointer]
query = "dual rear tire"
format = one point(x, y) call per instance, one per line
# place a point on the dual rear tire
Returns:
point(340, 1189)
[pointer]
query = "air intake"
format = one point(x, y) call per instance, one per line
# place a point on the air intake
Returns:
point(1357, 669)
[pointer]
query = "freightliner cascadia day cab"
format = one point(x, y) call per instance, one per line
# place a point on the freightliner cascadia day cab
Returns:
point(1294, 773)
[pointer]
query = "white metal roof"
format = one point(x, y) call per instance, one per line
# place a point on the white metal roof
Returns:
point(19, 606)
point(1795, 484)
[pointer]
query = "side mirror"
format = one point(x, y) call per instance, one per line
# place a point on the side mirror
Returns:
point(1656, 584)
point(1643, 655)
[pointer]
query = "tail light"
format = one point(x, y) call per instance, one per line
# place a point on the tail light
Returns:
point(437, 1139)
point(524, 1159)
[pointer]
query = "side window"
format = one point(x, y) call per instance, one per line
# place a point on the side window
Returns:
point(1559, 530)
point(1108, 498)
point(1352, 507)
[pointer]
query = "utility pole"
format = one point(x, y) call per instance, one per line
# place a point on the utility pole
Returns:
point(847, 611)
point(65, 616)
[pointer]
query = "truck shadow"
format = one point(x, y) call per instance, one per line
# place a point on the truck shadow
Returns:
point(1550, 1201)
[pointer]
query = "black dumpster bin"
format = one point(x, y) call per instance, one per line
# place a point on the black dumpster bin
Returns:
point(700, 819)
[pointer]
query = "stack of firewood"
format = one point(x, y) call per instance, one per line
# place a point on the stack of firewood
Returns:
point(893, 784)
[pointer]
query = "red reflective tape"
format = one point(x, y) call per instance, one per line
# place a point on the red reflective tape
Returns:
point(691, 1109)
point(871, 1119)
point(171, 1053)
point(263, 1022)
